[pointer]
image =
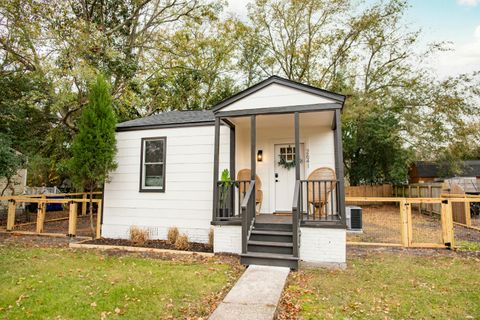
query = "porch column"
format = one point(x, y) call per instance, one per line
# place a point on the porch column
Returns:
point(232, 167)
point(297, 145)
point(253, 152)
point(215, 167)
point(337, 138)
point(253, 146)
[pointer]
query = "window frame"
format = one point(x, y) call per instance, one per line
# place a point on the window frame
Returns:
point(144, 188)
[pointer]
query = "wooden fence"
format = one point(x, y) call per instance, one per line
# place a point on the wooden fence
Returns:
point(405, 216)
point(385, 190)
point(70, 199)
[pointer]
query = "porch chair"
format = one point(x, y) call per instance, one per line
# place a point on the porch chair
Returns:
point(245, 174)
point(318, 203)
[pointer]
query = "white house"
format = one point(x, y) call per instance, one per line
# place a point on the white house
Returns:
point(277, 210)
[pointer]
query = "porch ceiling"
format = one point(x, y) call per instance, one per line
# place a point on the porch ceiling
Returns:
point(310, 119)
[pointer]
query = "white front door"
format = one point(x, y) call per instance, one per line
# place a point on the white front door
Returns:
point(285, 175)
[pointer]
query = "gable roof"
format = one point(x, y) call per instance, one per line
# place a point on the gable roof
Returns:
point(282, 81)
point(169, 119)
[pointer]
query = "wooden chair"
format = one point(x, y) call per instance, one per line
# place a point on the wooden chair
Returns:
point(319, 199)
point(246, 175)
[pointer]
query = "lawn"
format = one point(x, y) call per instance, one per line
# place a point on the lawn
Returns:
point(387, 286)
point(58, 283)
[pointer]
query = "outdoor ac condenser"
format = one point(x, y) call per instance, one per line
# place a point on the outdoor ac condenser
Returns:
point(354, 217)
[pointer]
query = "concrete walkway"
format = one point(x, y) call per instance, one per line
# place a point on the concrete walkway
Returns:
point(255, 295)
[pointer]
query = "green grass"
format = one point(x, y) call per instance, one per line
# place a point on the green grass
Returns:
point(56, 283)
point(388, 286)
point(468, 246)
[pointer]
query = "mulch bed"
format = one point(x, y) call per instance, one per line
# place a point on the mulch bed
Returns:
point(156, 244)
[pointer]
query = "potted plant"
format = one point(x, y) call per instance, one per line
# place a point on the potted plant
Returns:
point(224, 188)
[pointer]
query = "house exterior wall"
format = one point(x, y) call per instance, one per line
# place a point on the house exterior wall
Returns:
point(317, 245)
point(323, 245)
point(318, 150)
point(227, 239)
point(19, 183)
point(187, 200)
point(276, 95)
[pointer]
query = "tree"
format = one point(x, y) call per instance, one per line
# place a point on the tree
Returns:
point(93, 148)
point(373, 149)
point(10, 162)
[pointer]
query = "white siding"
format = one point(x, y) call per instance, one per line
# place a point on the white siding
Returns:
point(187, 200)
point(318, 144)
point(323, 245)
point(276, 95)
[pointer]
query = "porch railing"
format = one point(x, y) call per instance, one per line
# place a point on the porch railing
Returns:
point(319, 201)
point(248, 214)
point(296, 213)
point(229, 199)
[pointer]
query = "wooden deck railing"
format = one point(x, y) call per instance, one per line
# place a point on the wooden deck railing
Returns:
point(248, 213)
point(296, 213)
point(319, 200)
point(229, 199)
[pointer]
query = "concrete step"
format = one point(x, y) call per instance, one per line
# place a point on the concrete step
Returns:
point(270, 247)
point(269, 259)
point(271, 235)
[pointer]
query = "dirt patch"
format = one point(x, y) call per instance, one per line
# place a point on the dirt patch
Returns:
point(61, 226)
point(381, 224)
point(34, 241)
point(156, 244)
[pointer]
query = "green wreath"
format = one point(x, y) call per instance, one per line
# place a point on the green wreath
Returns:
point(287, 164)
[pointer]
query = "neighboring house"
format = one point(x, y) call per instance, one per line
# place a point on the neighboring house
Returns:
point(169, 166)
point(427, 171)
point(17, 185)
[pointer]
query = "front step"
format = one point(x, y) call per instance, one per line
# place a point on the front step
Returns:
point(273, 226)
point(270, 244)
point(270, 247)
point(269, 259)
point(271, 235)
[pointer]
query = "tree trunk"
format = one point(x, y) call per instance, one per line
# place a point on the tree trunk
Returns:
point(6, 186)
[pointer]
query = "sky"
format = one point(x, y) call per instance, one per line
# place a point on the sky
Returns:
point(454, 21)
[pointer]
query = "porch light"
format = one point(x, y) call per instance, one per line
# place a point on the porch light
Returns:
point(259, 155)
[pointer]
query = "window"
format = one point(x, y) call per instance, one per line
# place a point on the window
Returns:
point(288, 154)
point(152, 170)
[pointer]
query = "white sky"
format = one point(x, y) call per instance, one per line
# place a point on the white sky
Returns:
point(454, 21)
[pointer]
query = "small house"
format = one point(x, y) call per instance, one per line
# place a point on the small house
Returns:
point(263, 169)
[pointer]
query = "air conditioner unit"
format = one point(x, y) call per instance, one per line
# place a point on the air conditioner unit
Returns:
point(354, 217)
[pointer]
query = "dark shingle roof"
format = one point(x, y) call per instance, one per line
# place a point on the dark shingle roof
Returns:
point(469, 168)
point(170, 118)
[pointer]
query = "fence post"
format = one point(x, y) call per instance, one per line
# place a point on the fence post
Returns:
point(72, 219)
point(430, 205)
point(12, 207)
point(98, 233)
point(447, 223)
point(468, 218)
point(41, 210)
point(404, 223)
point(409, 223)
point(84, 204)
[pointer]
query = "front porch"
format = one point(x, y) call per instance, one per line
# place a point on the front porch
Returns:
point(284, 167)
